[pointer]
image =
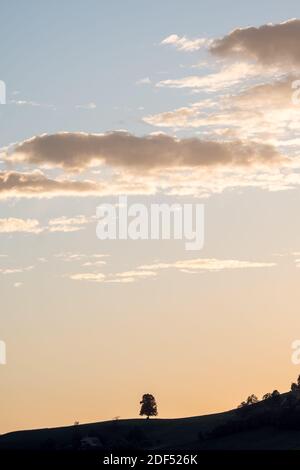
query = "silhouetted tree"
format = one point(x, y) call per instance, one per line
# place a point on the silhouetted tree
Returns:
point(275, 397)
point(149, 407)
point(251, 400)
point(267, 396)
point(294, 387)
point(242, 405)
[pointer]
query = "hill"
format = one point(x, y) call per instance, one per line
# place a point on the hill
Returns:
point(268, 425)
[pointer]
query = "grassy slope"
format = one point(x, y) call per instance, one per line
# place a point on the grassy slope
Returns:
point(173, 432)
point(159, 434)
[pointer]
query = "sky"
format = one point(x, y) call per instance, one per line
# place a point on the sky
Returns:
point(173, 102)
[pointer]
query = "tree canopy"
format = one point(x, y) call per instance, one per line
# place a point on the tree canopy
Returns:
point(149, 407)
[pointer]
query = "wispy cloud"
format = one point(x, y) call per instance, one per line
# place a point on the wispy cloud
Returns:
point(88, 259)
point(68, 224)
point(91, 277)
point(17, 225)
point(118, 278)
point(206, 264)
point(90, 105)
point(16, 270)
point(262, 112)
point(143, 81)
point(18, 284)
point(228, 76)
point(185, 44)
point(60, 224)
point(151, 271)
point(37, 184)
point(33, 104)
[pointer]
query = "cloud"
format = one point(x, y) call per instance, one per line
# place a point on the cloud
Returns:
point(94, 263)
point(59, 224)
point(263, 112)
point(31, 103)
point(253, 53)
point(185, 44)
point(87, 106)
point(206, 264)
point(91, 277)
point(146, 165)
point(278, 174)
point(78, 151)
point(15, 225)
point(185, 117)
point(36, 184)
point(269, 44)
point(150, 271)
point(135, 274)
point(120, 278)
point(143, 81)
point(70, 256)
point(68, 224)
point(18, 284)
point(15, 270)
point(248, 54)
point(228, 76)
point(24, 103)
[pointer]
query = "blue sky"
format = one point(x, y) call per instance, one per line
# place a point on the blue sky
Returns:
point(65, 56)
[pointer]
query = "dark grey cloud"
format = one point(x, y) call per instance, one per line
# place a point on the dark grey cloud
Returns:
point(15, 184)
point(269, 44)
point(78, 151)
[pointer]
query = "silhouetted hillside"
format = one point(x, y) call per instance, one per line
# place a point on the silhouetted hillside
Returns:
point(270, 424)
